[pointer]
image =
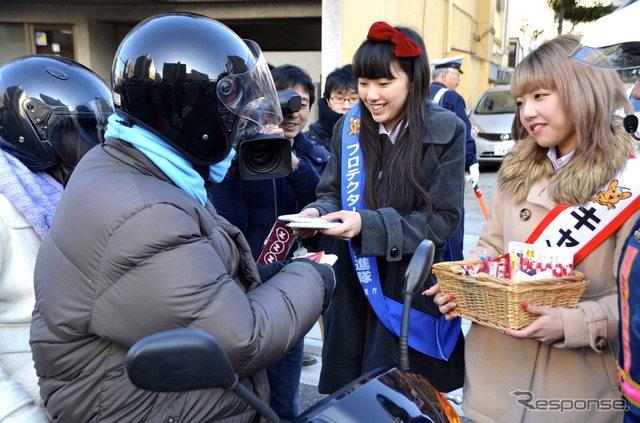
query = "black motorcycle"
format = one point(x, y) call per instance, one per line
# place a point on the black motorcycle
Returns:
point(188, 359)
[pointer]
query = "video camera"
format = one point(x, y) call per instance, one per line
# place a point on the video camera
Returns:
point(290, 102)
point(268, 156)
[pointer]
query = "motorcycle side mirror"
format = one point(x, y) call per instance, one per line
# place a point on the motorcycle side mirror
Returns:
point(419, 267)
point(179, 360)
point(417, 271)
point(187, 359)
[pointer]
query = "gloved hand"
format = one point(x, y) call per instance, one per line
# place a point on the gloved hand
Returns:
point(329, 279)
point(326, 272)
point(267, 271)
point(474, 174)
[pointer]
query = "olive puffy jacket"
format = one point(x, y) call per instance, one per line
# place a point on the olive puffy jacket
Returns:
point(130, 254)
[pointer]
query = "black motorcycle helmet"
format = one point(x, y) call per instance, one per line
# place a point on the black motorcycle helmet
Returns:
point(49, 108)
point(194, 83)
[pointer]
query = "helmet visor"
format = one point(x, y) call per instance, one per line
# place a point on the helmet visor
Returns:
point(617, 56)
point(251, 95)
point(69, 130)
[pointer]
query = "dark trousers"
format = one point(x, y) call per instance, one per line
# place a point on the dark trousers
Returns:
point(284, 381)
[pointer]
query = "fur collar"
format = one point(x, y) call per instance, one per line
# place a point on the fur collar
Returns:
point(575, 184)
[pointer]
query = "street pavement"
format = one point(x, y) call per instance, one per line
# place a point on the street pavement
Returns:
point(474, 222)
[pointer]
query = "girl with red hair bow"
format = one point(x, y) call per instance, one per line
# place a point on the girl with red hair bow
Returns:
point(394, 178)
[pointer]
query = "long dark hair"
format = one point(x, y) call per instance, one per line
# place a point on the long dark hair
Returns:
point(399, 186)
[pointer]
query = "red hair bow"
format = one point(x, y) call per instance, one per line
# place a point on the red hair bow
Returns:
point(405, 47)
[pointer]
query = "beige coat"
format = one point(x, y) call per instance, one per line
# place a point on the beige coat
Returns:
point(512, 380)
point(18, 381)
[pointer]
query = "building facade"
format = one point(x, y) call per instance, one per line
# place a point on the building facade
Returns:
point(478, 29)
point(317, 35)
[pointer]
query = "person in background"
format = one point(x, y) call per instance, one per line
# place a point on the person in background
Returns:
point(52, 111)
point(254, 207)
point(446, 78)
point(136, 248)
point(613, 42)
point(570, 145)
point(395, 177)
point(340, 93)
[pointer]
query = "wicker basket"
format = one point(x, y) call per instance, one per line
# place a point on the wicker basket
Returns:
point(497, 302)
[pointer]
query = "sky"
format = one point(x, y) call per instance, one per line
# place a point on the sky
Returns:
point(534, 13)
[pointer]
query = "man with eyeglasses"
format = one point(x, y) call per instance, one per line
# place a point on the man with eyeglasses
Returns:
point(340, 94)
point(446, 78)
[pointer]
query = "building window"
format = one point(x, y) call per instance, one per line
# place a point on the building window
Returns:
point(53, 39)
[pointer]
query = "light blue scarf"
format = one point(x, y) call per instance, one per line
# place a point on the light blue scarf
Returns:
point(168, 159)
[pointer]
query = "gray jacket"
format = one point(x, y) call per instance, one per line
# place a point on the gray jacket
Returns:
point(130, 254)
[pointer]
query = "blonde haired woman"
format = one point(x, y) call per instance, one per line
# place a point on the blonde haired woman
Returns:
point(561, 367)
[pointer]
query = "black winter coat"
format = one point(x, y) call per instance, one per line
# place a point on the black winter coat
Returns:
point(320, 130)
point(352, 346)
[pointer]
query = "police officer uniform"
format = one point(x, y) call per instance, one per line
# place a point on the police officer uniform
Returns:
point(453, 101)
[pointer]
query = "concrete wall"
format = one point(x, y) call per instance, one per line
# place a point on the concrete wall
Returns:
point(98, 29)
point(474, 28)
point(97, 39)
point(310, 62)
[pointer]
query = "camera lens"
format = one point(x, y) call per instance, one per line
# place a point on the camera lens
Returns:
point(262, 157)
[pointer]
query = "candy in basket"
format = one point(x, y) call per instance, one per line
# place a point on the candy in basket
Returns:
point(491, 291)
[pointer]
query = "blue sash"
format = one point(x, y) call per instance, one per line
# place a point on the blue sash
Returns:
point(427, 334)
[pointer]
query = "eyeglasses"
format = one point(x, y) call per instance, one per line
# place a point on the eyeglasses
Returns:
point(340, 100)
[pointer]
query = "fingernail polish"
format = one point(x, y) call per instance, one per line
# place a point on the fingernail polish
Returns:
point(525, 305)
point(451, 297)
point(506, 332)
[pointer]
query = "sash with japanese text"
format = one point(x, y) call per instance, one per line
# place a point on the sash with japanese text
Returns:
point(581, 229)
point(427, 334)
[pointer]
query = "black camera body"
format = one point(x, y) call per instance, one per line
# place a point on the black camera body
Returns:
point(268, 156)
point(290, 102)
point(264, 156)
